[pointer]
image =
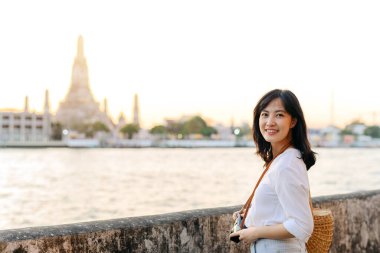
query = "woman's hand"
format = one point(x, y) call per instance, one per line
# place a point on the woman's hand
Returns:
point(251, 234)
point(247, 235)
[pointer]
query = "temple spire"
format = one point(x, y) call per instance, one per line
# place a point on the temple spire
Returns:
point(136, 110)
point(79, 106)
point(105, 106)
point(26, 105)
point(47, 102)
point(122, 120)
point(80, 48)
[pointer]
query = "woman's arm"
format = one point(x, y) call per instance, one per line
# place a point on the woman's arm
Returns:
point(251, 234)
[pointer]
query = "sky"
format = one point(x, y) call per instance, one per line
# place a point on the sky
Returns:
point(212, 58)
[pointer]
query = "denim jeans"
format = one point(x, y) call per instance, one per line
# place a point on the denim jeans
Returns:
point(291, 245)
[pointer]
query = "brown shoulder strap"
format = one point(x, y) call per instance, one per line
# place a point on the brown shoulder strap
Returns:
point(248, 203)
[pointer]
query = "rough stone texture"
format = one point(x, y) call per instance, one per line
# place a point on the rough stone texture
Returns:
point(357, 221)
point(356, 217)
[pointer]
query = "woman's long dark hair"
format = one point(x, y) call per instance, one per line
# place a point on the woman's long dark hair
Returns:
point(299, 131)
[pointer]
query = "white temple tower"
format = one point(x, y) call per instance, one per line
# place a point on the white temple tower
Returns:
point(79, 106)
point(136, 110)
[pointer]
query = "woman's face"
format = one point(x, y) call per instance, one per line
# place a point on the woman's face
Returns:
point(275, 123)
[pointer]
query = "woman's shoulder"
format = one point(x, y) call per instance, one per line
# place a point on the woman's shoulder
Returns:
point(290, 155)
point(291, 159)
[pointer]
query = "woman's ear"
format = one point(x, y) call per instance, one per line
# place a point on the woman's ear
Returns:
point(293, 123)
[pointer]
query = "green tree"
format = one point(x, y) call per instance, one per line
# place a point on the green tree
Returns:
point(91, 129)
point(193, 126)
point(208, 131)
point(174, 127)
point(356, 122)
point(158, 130)
point(130, 130)
point(100, 127)
point(373, 131)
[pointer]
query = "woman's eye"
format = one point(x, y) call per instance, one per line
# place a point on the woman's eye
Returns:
point(264, 114)
point(279, 115)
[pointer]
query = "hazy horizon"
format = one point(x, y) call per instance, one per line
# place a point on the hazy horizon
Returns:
point(212, 58)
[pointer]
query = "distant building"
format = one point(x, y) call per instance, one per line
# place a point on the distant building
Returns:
point(314, 136)
point(330, 136)
point(24, 126)
point(224, 132)
point(357, 128)
point(79, 106)
point(136, 110)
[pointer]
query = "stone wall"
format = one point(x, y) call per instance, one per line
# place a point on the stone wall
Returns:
point(356, 217)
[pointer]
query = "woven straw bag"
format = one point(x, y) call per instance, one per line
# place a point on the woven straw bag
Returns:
point(321, 238)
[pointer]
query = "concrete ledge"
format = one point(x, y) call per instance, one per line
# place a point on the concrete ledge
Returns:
point(356, 217)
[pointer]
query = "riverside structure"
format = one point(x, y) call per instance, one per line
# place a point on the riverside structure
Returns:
point(79, 106)
point(25, 126)
point(356, 218)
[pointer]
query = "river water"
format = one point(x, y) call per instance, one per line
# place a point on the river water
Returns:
point(58, 186)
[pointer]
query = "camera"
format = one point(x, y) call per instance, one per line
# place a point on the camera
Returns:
point(235, 228)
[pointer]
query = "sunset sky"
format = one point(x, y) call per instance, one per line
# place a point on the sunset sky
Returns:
point(214, 58)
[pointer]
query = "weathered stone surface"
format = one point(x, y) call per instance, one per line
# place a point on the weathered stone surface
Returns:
point(357, 221)
point(356, 217)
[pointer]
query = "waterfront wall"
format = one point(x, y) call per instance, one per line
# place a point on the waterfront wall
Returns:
point(356, 217)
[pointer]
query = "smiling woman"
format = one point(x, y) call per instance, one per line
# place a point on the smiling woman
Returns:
point(275, 125)
point(278, 216)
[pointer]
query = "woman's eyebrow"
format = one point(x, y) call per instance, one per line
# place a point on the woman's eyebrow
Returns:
point(274, 111)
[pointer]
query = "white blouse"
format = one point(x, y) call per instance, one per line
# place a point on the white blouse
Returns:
point(283, 197)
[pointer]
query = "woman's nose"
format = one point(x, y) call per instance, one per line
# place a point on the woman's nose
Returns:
point(270, 121)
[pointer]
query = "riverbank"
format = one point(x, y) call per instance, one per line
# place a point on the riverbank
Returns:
point(138, 143)
point(125, 143)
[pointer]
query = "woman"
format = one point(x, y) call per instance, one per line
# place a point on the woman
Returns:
point(280, 218)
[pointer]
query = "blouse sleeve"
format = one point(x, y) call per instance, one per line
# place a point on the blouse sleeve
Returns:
point(292, 189)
